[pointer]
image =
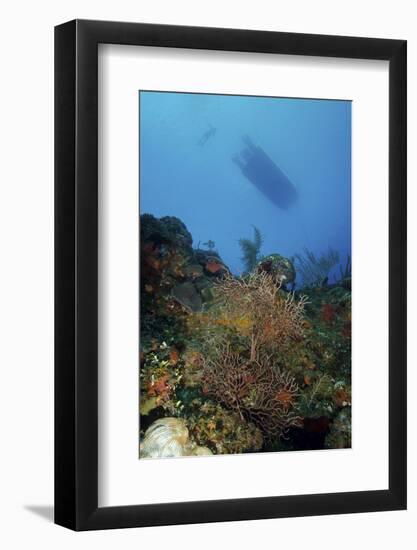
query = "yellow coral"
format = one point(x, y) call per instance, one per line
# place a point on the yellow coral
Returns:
point(241, 323)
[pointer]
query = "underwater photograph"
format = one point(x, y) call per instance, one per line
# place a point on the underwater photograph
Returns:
point(245, 274)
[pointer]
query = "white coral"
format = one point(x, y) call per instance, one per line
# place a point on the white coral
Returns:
point(169, 438)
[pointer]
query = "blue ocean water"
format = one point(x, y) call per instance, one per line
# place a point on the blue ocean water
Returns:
point(308, 139)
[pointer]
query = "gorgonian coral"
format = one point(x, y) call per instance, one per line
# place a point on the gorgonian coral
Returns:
point(257, 390)
point(314, 270)
point(257, 308)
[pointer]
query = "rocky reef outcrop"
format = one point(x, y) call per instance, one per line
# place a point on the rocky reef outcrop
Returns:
point(280, 268)
point(175, 278)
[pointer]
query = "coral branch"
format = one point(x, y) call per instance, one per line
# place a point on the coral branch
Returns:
point(271, 317)
point(257, 390)
point(315, 270)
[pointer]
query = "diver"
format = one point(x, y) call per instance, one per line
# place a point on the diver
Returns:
point(207, 135)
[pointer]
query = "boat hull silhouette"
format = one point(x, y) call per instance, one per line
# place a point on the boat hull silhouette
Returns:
point(265, 175)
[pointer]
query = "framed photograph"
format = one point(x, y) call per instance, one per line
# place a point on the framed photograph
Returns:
point(230, 253)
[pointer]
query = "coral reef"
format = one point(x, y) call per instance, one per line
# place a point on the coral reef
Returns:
point(169, 438)
point(223, 431)
point(240, 364)
point(175, 278)
point(268, 317)
point(166, 230)
point(280, 268)
point(187, 295)
point(251, 249)
point(313, 269)
point(346, 271)
point(256, 390)
point(160, 374)
point(340, 433)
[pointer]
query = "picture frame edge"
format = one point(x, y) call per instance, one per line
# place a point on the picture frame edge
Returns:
point(76, 298)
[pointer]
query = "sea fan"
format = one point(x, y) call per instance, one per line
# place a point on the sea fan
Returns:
point(313, 269)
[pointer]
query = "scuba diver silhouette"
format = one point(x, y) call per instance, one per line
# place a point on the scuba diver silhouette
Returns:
point(207, 135)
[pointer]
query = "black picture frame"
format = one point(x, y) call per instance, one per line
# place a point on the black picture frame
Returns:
point(76, 272)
